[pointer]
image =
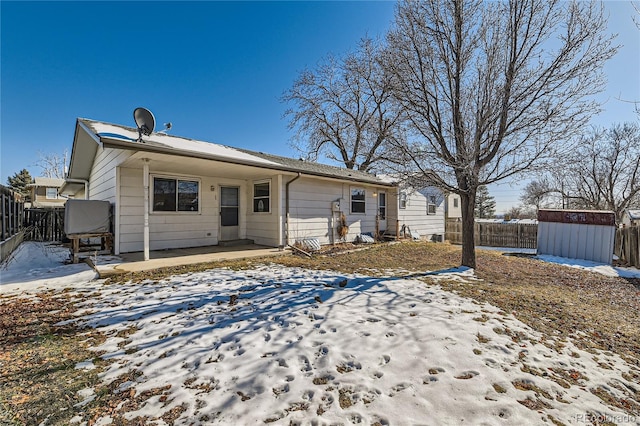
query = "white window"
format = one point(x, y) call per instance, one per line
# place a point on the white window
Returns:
point(402, 200)
point(262, 197)
point(431, 204)
point(175, 195)
point(52, 193)
point(358, 200)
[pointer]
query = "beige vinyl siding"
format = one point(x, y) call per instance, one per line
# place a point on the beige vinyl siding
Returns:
point(102, 181)
point(311, 215)
point(264, 228)
point(416, 218)
point(167, 229)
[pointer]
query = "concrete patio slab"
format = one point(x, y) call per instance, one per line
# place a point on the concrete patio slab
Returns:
point(133, 262)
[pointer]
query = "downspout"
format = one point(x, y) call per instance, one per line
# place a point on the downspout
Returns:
point(286, 208)
point(86, 185)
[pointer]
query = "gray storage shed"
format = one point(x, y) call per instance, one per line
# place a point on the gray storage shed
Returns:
point(577, 234)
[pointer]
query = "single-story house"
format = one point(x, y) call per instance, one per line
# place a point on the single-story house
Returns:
point(174, 192)
point(44, 192)
point(631, 217)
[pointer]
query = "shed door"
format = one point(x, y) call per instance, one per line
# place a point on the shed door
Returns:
point(229, 212)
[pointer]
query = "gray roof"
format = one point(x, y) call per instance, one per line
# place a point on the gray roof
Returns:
point(310, 167)
point(127, 138)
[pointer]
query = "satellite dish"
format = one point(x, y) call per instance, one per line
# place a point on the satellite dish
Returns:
point(145, 121)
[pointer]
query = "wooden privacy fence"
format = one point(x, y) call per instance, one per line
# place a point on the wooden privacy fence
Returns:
point(12, 213)
point(627, 245)
point(516, 235)
point(44, 224)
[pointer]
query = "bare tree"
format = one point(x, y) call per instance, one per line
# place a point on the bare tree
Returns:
point(603, 173)
point(520, 212)
point(342, 109)
point(491, 88)
point(52, 165)
point(540, 194)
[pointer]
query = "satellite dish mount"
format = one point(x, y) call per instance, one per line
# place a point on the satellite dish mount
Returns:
point(145, 122)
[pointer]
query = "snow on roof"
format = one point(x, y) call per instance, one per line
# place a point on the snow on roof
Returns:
point(498, 220)
point(222, 152)
point(46, 181)
point(114, 131)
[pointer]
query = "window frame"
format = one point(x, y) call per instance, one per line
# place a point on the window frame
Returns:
point(455, 202)
point(363, 201)
point(268, 197)
point(402, 200)
point(432, 204)
point(53, 189)
point(177, 180)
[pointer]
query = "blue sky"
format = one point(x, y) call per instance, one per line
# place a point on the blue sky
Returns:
point(216, 70)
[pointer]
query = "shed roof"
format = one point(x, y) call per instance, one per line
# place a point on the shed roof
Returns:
point(584, 217)
point(48, 182)
point(634, 214)
point(118, 136)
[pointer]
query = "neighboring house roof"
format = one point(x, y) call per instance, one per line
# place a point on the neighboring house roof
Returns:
point(123, 137)
point(634, 214)
point(48, 182)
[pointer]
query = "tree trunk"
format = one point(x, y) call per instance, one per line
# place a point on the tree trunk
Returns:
point(468, 223)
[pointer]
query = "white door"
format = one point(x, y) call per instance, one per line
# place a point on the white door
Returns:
point(229, 212)
point(382, 211)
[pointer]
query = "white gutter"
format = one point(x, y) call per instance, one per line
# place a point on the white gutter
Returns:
point(84, 181)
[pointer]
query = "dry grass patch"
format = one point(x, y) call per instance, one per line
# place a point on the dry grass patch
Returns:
point(38, 378)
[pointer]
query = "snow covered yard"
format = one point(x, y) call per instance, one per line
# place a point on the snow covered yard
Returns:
point(293, 346)
point(275, 344)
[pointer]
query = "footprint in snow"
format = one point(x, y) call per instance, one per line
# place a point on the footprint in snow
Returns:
point(490, 362)
point(429, 380)
point(398, 388)
point(377, 420)
point(467, 375)
point(305, 364)
point(277, 391)
point(385, 359)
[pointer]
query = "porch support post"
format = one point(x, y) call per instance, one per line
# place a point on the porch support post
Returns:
point(145, 180)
